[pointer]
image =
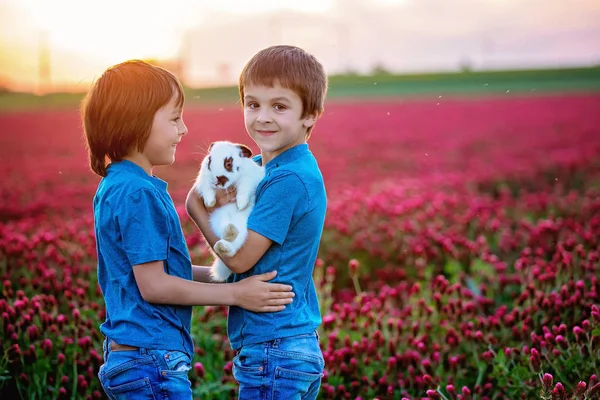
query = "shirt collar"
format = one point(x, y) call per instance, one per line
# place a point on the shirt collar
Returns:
point(286, 157)
point(131, 167)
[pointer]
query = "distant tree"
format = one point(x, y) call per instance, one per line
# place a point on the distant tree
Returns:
point(380, 69)
point(4, 86)
point(466, 65)
point(350, 71)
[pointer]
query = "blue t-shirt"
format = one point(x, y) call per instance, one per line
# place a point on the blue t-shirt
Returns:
point(136, 223)
point(290, 210)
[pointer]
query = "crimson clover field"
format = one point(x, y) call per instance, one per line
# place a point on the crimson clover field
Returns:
point(460, 257)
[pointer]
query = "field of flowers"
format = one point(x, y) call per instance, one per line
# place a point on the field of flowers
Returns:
point(460, 258)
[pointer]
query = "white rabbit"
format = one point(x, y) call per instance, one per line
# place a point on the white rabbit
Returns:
point(228, 165)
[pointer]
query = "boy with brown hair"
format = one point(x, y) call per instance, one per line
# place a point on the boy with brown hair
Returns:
point(282, 90)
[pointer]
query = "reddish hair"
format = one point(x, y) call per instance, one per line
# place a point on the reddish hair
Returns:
point(292, 68)
point(119, 109)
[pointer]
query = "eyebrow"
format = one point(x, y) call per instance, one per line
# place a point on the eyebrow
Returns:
point(178, 110)
point(281, 98)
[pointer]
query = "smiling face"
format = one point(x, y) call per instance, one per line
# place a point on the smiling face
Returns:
point(273, 118)
point(224, 163)
point(166, 132)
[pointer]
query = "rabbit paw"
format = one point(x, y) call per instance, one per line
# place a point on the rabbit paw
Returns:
point(223, 248)
point(242, 202)
point(209, 199)
point(230, 233)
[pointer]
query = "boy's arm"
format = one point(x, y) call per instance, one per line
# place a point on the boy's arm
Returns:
point(253, 293)
point(140, 215)
point(253, 249)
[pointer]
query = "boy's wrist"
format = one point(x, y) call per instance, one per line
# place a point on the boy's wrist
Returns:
point(233, 294)
point(195, 207)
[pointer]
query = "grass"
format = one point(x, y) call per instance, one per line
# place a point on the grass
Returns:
point(375, 86)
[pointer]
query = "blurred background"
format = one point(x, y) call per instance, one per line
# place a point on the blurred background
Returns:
point(62, 45)
point(459, 148)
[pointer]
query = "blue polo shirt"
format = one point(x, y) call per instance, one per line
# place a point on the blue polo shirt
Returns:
point(290, 210)
point(136, 223)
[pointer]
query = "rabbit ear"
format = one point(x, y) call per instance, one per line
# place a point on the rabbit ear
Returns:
point(245, 151)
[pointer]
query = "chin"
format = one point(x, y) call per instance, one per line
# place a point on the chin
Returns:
point(167, 162)
point(269, 148)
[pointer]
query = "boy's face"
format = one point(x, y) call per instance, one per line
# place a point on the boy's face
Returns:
point(167, 130)
point(273, 119)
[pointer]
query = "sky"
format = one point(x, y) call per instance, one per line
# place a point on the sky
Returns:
point(207, 42)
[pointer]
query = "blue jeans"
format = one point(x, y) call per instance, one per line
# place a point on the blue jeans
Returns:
point(282, 369)
point(145, 374)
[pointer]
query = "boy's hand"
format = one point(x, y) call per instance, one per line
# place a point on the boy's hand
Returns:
point(255, 294)
point(224, 197)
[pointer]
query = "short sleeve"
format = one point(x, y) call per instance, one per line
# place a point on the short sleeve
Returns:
point(144, 228)
point(277, 201)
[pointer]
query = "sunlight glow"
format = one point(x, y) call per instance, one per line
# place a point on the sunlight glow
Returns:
point(64, 44)
point(117, 29)
point(89, 35)
point(109, 30)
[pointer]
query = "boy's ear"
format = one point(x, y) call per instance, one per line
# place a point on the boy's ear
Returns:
point(245, 151)
point(310, 120)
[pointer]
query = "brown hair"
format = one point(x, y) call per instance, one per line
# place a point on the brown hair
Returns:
point(294, 69)
point(119, 109)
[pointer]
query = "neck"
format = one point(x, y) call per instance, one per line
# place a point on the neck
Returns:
point(141, 161)
point(266, 157)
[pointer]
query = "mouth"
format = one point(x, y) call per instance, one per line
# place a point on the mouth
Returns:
point(265, 132)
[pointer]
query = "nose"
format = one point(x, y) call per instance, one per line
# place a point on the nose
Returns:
point(183, 130)
point(263, 115)
point(221, 180)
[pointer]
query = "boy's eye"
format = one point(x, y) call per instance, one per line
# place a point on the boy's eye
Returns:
point(252, 105)
point(176, 119)
point(279, 107)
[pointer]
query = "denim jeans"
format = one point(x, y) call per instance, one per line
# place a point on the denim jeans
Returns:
point(145, 374)
point(282, 369)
